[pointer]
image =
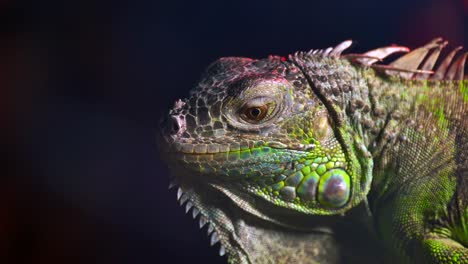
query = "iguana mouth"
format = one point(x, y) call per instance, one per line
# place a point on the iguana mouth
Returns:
point(218, 148)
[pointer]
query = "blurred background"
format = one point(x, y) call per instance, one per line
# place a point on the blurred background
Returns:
point(83, 85)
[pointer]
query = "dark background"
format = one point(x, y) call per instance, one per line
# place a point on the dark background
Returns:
point(84, 84)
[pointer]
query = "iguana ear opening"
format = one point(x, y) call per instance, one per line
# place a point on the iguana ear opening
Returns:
point(322, 129)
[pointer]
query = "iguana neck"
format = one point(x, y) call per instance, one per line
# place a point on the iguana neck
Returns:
point(387, 104)
point(401, 109)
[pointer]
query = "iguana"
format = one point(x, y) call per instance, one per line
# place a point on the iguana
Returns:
point(326, 157)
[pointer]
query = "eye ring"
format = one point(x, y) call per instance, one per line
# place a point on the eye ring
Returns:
point(272, 96)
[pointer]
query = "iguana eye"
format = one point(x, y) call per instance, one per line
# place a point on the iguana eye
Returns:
point(257, 106)
point(255, 113)
point(257, 110)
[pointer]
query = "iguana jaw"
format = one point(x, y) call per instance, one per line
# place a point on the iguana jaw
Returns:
point(263, 172)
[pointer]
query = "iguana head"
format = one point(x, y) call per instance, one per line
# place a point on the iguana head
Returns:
point(285, 140)
point(257, 128)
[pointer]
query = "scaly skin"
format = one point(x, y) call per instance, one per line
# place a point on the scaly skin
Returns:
point(323, 158)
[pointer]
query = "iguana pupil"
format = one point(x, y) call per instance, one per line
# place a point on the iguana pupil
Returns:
point(255, 112)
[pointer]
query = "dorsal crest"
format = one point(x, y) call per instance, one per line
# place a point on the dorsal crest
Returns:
point(416, 64)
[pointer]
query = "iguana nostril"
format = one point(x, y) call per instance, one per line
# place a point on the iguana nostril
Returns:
point(177, 125)
point(174, 125)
